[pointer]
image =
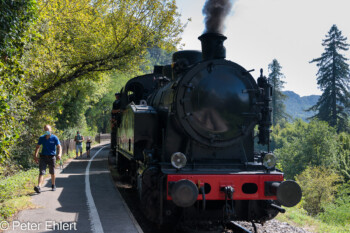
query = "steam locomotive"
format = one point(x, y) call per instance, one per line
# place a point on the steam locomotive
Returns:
point(186, 140)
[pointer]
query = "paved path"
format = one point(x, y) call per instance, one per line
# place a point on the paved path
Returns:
point(74, 206)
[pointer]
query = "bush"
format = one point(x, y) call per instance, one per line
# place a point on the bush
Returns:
point(343, 155)
point(318, 185)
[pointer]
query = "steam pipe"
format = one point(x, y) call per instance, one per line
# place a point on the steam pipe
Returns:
point(278, 208)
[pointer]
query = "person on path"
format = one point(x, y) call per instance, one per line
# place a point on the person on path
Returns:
point(79, 144)
point(49, 144)
point(88, 147)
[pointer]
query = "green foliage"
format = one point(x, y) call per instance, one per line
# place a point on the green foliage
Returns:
point(302, 144)
point(65, 71)
point(13, 187)
point(79, 97)
point(16, 18)
point(98, 114)
point(156, 56)
point(275, 79)
point(343, 155)
point(333, 80)
point(79, 39)
point(337, 212)
point(321, 158)
point(318, 185)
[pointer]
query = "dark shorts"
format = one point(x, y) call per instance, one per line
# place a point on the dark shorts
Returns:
point(47, 160)
point(88, 148)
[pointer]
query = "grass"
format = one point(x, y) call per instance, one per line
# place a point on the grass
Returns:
point(298, 217)
point(14, 192)
point(66, 157)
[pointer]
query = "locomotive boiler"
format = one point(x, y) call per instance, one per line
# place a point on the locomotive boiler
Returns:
point(186, 140)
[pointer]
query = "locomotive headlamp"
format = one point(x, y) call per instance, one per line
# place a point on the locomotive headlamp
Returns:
point(269, 160)
point(178, 160)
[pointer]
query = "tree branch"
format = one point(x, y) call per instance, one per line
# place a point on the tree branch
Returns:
point(85, 68)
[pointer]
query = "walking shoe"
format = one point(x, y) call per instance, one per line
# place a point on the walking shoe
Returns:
point(53, 187)
point(37, 189)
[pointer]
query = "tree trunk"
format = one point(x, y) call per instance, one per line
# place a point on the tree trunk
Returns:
point(334, 94)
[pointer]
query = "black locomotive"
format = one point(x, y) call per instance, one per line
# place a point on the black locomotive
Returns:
point(186, 139)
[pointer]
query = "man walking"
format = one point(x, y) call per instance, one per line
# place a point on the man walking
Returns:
point(79, 144)
point(47, 157)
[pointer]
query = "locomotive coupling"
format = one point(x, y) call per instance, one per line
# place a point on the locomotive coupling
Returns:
point(184, 193)
point(288, 192)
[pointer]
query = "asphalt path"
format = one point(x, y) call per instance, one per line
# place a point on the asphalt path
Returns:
point(86, 200)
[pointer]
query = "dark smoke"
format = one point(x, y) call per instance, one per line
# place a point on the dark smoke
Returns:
point(215, 12)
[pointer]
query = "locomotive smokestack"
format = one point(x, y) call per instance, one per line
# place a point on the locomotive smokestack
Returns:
point(213, 46)
point(215, 12)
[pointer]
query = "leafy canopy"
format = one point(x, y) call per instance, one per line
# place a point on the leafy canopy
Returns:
point(80, 38)
point(302, 144)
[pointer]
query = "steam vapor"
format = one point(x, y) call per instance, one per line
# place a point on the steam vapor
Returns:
point(215, 12)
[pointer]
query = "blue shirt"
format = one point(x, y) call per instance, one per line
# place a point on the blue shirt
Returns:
point(49, 145)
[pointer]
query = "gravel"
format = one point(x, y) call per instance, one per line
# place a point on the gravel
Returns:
point(274, 226)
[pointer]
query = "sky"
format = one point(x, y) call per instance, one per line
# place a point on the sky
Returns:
point(259, 31)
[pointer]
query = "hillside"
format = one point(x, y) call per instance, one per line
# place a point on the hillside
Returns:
point(295, 105)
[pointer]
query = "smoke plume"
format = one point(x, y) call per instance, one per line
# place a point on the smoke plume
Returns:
point(215, 12)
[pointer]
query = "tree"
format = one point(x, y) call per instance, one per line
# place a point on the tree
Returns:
point(304, 144)
point(79, 44)
point(156, 56)
point(333, 80)
point(98, 113)
point(81, 38)
point(275, 79)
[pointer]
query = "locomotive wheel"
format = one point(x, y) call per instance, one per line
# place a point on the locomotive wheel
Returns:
point(150, 202)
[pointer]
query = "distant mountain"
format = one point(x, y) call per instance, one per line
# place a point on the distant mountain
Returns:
point(295, 105)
